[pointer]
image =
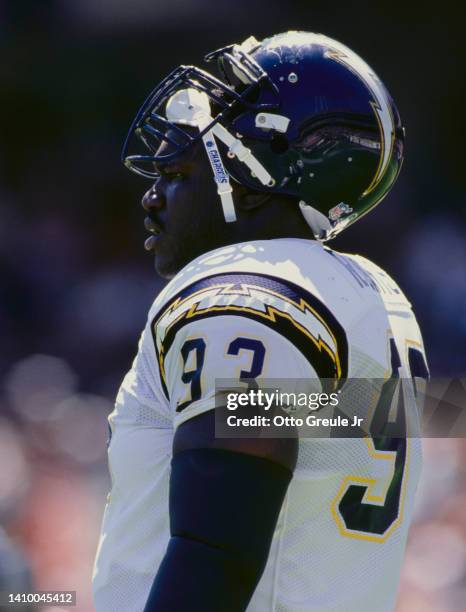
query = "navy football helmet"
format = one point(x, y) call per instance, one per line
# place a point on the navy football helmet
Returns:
point(297, 114)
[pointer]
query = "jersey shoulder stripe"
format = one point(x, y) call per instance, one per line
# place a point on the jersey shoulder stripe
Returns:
point(278, 303)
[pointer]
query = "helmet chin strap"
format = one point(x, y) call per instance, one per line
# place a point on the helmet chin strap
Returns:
point(224, 189)
point(192, 107)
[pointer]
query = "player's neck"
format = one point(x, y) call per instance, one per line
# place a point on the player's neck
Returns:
point(269, 226)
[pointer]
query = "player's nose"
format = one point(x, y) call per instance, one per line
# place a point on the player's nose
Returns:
point(152, 199)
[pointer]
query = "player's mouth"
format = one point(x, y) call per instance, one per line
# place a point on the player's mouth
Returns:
point(155, 230)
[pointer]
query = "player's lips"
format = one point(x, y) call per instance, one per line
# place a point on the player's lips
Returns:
point(155, 229)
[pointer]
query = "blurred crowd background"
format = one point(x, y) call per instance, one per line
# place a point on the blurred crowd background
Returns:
point(75, 283)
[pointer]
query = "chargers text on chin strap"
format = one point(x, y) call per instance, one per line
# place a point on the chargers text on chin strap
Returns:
point(192, 107)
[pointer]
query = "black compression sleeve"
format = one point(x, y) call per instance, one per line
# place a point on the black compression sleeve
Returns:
point(223, 510)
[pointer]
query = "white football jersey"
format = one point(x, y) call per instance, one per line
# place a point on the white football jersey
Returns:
point(285, 308)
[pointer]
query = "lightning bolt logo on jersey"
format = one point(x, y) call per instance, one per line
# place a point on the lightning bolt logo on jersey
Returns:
point(279, 304)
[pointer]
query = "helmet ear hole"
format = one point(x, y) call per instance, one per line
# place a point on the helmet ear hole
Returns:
point(279, 143)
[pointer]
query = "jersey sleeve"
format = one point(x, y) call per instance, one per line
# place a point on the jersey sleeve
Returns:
point(242, 326)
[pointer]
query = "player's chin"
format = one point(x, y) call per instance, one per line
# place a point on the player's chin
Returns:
point(168, 260)
point(163, 268)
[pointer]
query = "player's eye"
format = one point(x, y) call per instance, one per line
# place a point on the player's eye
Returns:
point(171, 174)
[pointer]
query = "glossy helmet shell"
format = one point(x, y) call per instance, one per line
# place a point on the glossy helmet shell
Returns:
point(343, 147)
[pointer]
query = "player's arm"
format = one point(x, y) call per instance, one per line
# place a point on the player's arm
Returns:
point(225, 498)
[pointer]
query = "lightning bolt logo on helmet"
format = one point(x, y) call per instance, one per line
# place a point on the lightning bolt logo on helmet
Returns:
point(380, 104)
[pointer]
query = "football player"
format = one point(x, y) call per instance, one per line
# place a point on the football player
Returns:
point(255, 168)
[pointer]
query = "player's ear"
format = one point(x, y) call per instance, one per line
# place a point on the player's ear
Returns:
point(249, 200)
